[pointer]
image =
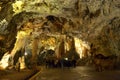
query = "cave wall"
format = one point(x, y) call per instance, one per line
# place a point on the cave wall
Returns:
point(94, 21)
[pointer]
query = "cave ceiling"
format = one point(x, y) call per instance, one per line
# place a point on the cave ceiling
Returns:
point(94, 21)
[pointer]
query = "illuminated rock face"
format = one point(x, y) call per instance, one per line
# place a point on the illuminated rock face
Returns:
point(94, 21)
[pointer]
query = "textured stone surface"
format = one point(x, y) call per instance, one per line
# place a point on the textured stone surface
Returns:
point(94, 21)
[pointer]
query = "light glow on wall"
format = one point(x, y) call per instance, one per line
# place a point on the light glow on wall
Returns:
point(81, 47)
point(20, 42)
point(4, 61)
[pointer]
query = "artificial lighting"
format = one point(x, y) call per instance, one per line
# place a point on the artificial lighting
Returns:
point(26, 53)
point(66, 58)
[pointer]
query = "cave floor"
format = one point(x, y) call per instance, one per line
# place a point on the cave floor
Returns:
point(78, 73)
point(15, 75)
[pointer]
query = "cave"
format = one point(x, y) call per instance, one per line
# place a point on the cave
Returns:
point(58, 34)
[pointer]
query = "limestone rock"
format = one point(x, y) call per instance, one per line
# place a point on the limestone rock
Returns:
point(94, 21)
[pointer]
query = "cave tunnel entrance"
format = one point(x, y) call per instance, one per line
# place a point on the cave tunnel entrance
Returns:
point(51, 41)
point(38, 35)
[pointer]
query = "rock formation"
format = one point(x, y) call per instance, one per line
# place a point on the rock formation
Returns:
point(94, 21)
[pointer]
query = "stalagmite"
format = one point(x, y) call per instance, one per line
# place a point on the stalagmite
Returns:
point(34, 53)
point(60, 48)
